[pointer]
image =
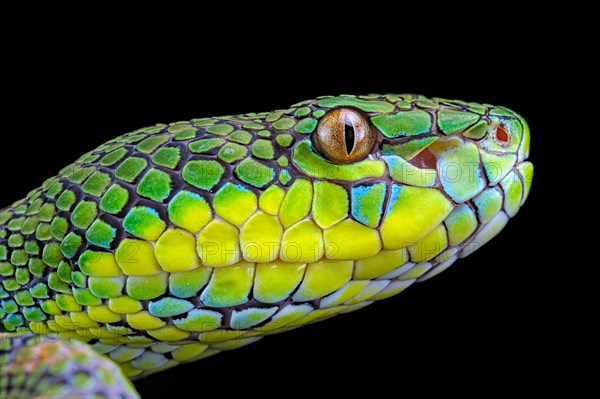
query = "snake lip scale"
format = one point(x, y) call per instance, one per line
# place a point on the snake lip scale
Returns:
point(178, 241)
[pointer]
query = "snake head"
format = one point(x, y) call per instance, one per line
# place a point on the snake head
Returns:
point(438, 177)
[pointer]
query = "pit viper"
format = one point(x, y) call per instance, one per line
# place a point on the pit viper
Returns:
point(178, 241)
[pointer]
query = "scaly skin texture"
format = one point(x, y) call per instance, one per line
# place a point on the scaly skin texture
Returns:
point(175, 242)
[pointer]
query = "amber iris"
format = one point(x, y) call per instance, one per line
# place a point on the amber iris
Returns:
point(344, 136)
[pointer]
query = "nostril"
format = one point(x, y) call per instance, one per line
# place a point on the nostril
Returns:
point(502, 135)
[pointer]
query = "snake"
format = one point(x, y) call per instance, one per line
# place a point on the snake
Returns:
point(176, 242)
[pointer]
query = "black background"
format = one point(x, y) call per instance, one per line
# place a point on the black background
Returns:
point(481, 322)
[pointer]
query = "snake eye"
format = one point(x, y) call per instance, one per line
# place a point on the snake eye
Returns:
point(344, 136)
point(502, 136)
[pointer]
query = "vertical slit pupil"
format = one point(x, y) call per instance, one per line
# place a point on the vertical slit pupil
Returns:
point(349, 134)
